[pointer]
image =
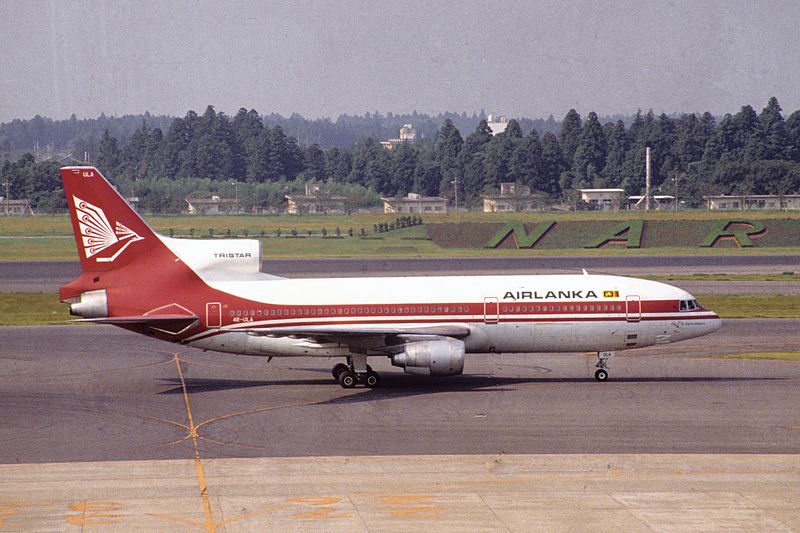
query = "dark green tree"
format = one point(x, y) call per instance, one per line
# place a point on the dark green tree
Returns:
point(590, 154)
point(552, 165)
point(402, 168)
point(314, 163)
point(109, 154)
point(775, 139)
point(613, 172)
point(570, 135)
point(448, 147)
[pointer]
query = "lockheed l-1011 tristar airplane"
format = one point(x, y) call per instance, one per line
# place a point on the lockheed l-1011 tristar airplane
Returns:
point(210, 294)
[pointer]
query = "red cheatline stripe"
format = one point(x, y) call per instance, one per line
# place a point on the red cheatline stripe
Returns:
point(247, 308)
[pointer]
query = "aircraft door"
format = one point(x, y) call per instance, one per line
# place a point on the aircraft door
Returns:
point(491, 310)
point(213, 314)
point(633, 308)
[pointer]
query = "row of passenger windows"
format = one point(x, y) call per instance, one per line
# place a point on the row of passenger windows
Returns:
point(342, 311)
point(560, 308)
point(349, 311)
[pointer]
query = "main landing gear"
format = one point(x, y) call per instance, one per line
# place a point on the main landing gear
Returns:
point(354, 372)
point(602, 367)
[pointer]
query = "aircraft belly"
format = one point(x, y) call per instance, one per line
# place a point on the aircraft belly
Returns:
point(243, 343)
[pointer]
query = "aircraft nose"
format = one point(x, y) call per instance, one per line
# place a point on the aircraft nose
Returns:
point(714, 323)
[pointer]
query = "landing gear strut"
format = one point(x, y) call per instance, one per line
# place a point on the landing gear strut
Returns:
point(602, 367)
point(354, 372)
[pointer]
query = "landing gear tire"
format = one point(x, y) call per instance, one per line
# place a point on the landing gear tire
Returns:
point(601, 375)
point(338, 369)
point(372, 379)
point(347, 379)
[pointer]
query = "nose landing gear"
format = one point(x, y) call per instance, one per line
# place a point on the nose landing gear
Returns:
point(602, 366)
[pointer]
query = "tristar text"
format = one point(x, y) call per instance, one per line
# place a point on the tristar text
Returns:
point(232, 255)
point(549, 295)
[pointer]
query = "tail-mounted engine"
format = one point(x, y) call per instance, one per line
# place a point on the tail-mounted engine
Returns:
point(441, 357)
point(92, 304)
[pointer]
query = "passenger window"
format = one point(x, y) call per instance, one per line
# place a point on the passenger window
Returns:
point(272, 312)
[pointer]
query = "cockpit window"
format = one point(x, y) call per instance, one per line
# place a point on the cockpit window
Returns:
point(689, 305)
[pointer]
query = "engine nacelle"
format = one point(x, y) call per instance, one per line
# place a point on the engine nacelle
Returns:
point(442, 357)
point(92, 304)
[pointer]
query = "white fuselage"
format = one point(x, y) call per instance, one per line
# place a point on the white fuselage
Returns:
point(554, 313)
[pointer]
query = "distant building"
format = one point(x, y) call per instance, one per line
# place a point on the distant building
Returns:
point(660, 201)
point(753, 201)
point(132, 201)
point(316, 203)
point(10, 207)
point(415, 203)
point(213, 206)
point(497, 124)
point(603, 199)
point(512, 198)
point(408, 134)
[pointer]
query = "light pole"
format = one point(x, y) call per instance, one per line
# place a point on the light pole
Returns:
point(6, 199)
point(455, 185)
point(676, 191)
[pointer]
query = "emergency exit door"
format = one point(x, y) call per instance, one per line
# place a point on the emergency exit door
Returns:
point(491, 310)
point(633, 308)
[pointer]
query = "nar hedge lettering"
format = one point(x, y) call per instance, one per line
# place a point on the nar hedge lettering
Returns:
point(739, 231)
point(629, 234)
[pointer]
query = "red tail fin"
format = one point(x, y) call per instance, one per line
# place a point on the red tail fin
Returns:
point(108, 233)
point(130, 277)
point(120, 255)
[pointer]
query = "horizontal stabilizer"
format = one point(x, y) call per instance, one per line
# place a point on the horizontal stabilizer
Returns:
point(173, 324)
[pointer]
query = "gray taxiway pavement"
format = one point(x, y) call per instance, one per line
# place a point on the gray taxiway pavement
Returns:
point(95, 393)
point(101, 428)
point(47, 276)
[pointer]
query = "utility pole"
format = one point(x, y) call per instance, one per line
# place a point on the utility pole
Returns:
point(675, 177)
point(455, 183)
point(647, 180)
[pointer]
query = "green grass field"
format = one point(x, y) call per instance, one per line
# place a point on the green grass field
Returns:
point(27, 309)
point(181, 224)
point(49, 237)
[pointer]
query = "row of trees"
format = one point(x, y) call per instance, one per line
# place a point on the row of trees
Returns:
point(745, 153)
point(82, 135)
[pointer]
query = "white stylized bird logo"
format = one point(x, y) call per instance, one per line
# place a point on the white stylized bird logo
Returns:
point(97, 233)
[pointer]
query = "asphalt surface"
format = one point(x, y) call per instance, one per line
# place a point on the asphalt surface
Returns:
point(47, 276)
point(96, 393)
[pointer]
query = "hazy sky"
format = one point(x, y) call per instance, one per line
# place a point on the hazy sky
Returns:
point(322, 59)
